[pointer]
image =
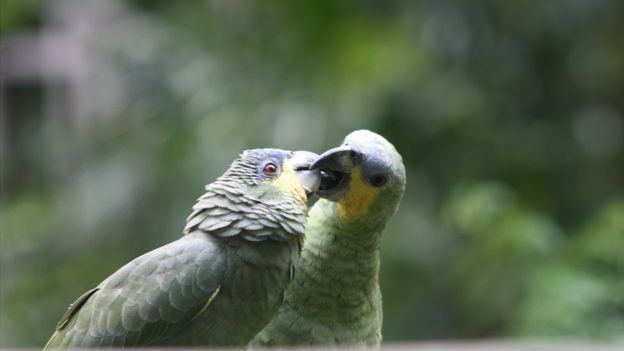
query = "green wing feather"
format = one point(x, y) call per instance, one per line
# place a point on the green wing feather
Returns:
point(149, 299)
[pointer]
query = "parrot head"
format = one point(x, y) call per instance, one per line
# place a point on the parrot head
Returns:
point(274, 175)
point(262, 190)
point(365, 176)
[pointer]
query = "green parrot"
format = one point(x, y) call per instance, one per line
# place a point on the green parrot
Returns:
point(335, 298)
point(223, 280)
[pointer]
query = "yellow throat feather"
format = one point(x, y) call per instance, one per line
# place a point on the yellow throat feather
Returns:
point(358, 199)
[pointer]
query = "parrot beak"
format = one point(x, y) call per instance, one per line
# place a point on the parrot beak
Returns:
point(335, 166)
point(339, 159)
point(310, 179)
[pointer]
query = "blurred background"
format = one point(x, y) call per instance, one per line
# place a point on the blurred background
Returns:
point(508, 114)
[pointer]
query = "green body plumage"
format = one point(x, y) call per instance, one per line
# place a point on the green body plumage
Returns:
point(335, 297)
point(216, 286)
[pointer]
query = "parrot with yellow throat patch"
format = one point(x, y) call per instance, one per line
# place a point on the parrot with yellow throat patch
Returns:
point(223, 280)
point(335, 298)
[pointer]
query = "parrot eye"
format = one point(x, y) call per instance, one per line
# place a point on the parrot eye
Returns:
point(378, 180)
point(270, 169)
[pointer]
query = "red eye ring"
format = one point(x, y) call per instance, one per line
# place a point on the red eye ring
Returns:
point(269, 169)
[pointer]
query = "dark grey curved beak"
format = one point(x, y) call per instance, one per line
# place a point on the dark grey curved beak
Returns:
point(339, 159)
point(335, 165)
point(301, 162)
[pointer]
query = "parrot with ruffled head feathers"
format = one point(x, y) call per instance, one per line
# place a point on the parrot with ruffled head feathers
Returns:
point(221, 282)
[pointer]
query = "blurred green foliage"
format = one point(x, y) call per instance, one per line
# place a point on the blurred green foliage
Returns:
point(508, 116)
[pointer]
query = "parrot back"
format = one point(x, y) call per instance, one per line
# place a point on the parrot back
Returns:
point(258, 272)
